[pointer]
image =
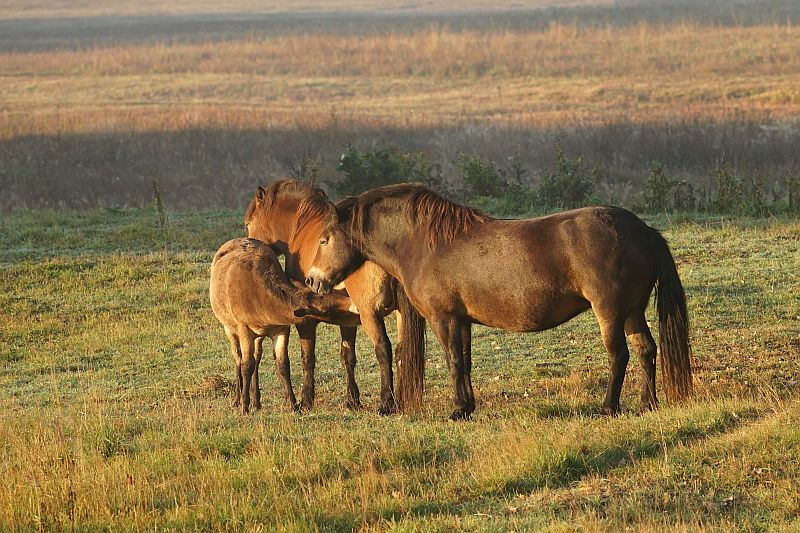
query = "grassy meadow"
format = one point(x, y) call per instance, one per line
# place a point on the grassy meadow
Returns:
point(114, 413)
point(113, 419)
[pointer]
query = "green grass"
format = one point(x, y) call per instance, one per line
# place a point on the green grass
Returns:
point(107, 339)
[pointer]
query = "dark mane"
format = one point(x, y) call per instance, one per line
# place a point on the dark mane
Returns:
point(443, 218)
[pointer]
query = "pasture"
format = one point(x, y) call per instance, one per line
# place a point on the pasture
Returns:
point(114, 373)
point(112, 418)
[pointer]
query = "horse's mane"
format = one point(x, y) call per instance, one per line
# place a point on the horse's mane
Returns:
point(313, 202)
point(443, 218)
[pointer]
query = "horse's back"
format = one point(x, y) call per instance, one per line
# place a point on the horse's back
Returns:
point(533, 274)
point(240, 289)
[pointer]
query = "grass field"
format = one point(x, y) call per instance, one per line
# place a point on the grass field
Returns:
point(114, 417)
point(107, 343)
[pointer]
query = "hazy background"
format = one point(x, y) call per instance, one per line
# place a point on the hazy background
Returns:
point(100, 98)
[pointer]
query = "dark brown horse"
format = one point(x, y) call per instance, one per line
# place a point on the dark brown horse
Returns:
point(460, 267)
point(289, 215)
point(252, 298)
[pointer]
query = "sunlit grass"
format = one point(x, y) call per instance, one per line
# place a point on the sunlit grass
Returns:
point(107, 342)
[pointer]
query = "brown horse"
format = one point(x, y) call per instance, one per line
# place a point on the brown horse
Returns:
point(289, 215)
point(253, 299)
point(460, 267)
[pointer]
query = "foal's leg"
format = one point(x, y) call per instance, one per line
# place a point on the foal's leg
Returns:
point(375, 329)
point(280, 347)
point(613, 333)
point(255, 387)
point(237, 359)
point(348, 356)
point(247, 346)
point(645, 347)
point(451, 335)
point(308, 342)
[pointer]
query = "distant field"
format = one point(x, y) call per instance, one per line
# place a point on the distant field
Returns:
point(107, 341)
point(95, 106)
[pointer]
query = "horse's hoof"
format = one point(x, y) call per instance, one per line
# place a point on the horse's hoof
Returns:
point(460, 414)
point(304, 406)
point(609, 411)
point(353, 404)
point(647, 408)
point(387, 408)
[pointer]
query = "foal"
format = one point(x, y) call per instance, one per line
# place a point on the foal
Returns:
point(252, 298)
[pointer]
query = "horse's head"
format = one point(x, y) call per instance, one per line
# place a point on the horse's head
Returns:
point(259, 221)
point(337, 254)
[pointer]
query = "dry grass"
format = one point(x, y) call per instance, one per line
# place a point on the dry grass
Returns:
point(13, 9)
point(434, 77)
point(89, 124)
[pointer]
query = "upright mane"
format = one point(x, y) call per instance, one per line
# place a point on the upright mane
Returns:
point(442, 218)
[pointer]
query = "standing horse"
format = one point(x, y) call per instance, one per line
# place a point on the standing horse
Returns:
point(289, 215)
point(460, 267)
point(252, 298)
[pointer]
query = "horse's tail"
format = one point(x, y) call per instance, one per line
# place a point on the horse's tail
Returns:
point(410, 353)
point(673, 322)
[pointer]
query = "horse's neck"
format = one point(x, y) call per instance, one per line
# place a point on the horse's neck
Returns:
point(391, 243)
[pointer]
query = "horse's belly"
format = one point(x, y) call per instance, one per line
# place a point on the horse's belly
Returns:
point(523, 314)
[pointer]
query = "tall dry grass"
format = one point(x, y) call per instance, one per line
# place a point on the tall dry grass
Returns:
point(93, 126)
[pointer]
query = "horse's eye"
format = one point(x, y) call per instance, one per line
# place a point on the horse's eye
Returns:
point(323, 241)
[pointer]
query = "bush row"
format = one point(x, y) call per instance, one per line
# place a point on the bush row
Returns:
point(510, 189)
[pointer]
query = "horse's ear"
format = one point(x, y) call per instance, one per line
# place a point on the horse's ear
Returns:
point(342, 214)
point(261, 193)
point(344, 208)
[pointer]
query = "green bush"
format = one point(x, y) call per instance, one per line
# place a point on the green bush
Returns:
point(569, 185)
point(481, 178)
point(658, 188)
point(499, 190)
point(366, 170)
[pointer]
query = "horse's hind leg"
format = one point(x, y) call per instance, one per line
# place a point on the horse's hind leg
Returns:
point(248, 347)
point(237, 359)
point(645, 347)
point(613, 333)
point(453, 337)
point(348, 356)
point(280, 346)
point(255, 387)
point(308, 342)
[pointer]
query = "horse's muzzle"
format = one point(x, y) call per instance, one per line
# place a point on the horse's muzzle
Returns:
point(319, 286)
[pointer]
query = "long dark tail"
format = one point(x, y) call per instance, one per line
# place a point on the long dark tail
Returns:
point(410, 353)
point(673, 321)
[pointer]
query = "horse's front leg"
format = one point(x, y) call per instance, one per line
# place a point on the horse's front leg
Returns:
point(280, 347)
point(455, 337)
point(375, 329)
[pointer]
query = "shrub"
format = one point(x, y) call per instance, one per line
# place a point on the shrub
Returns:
point(657, 188)
point(570, 184)
point(366, 170)
point(308, 169)
point(481, 178)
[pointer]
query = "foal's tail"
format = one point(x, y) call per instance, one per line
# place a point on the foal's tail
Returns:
point(410, 353)
point(673, 323)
